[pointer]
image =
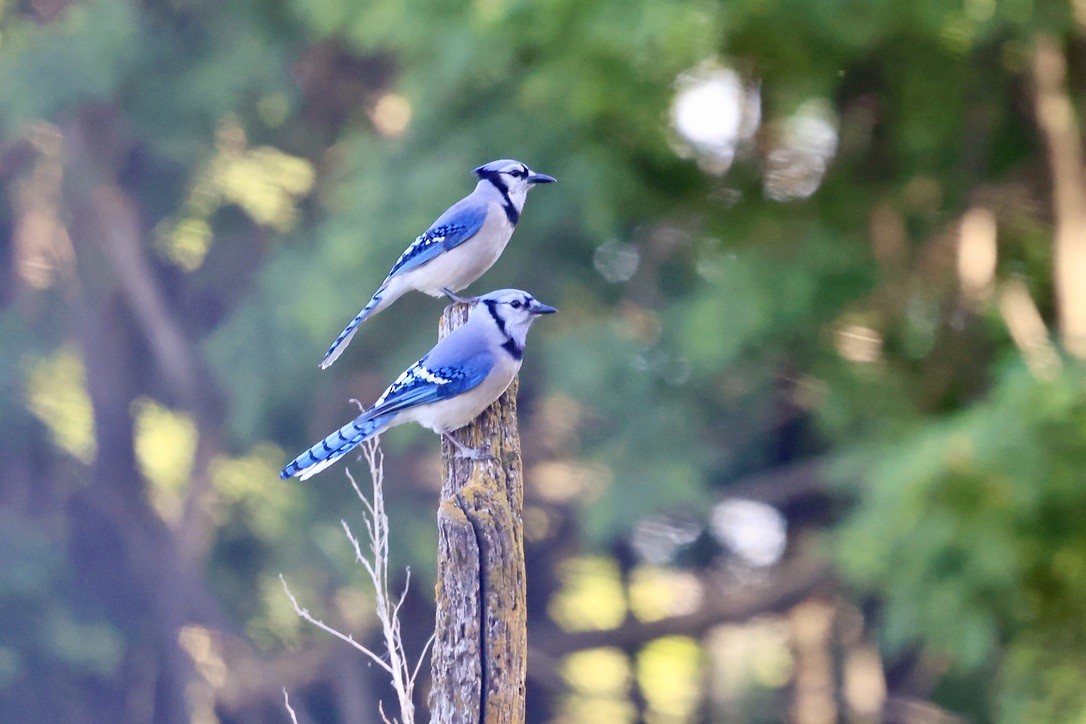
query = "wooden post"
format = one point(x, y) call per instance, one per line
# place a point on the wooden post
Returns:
point(481, 639)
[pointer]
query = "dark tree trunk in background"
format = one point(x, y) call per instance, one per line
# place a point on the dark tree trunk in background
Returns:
point(481, 646)
point(121, 551)
point(142, 571)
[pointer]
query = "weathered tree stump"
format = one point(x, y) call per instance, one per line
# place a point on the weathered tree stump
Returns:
point(481, 640)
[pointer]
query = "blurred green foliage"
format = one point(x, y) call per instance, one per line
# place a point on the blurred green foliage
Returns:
point(970, 530)
point(249, 134)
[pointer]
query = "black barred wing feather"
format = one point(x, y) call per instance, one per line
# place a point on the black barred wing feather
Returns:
point(421, 385)
point(444, 235)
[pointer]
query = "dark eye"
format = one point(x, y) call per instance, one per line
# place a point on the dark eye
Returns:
point(518, 173)
point(515, 304)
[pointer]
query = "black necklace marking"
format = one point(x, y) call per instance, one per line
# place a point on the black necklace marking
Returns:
point(510, 210)
point(509, 345)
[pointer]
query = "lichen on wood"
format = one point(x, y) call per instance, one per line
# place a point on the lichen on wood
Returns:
point(480, 650)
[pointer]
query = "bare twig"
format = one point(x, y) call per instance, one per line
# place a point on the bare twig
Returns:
point(387, 607)
point(286, 703)
point(304, 613)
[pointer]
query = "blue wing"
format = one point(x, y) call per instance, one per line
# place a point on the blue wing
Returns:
point(448, 232)
point(453, 228)
point(421, 384)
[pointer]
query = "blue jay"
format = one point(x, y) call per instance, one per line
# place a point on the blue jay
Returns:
point(449, 387)
point(459, 247)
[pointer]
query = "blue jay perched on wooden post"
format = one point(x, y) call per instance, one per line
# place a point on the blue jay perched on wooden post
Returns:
point(459, 247)
point(449, 387)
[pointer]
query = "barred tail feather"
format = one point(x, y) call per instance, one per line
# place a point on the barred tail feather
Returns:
point(345, 336)
point(335, 446)
point(386, 295)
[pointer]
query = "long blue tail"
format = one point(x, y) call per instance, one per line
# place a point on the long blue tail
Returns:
point(380, 300)
point(335, 446)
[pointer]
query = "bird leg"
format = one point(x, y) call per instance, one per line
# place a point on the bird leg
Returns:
point(463, 451)
point(361, 407)
point(456, 297)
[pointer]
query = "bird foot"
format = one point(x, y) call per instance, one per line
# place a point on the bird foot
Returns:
point(361, 407)
point(476, 455)
point(456, 297)
point(468, 453)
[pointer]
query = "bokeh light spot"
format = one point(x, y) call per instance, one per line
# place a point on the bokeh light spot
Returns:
point(57, 394)
point(711, 113)
point(753, 531)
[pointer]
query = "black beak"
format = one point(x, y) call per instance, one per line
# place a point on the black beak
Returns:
point(541, 178)
point(539, 307)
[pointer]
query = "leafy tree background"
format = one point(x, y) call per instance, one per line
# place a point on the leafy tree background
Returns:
point(817, 277)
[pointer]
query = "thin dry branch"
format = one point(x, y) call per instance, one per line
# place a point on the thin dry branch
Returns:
point(290, 710)
point(304, 613)
point(376, 522)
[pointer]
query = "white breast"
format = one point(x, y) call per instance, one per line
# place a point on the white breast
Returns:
point(461, 266)
point(454, 413)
